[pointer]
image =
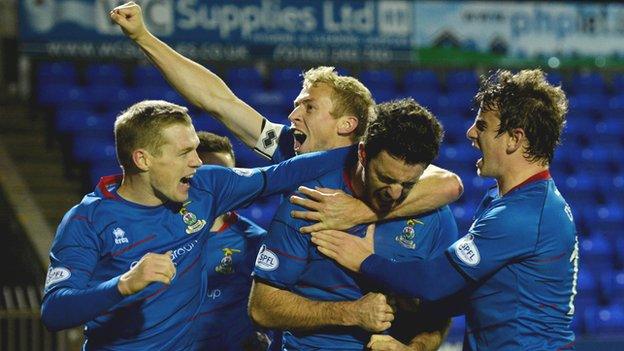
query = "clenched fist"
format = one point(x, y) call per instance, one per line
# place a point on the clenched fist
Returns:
point(151, 268)
point(373, 313)
point(130, 18)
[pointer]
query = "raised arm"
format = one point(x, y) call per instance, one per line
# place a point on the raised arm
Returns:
point(334, 209)
point(275, 308)
point(194, 82)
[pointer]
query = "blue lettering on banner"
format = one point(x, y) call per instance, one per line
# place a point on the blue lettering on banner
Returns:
point(275, 29)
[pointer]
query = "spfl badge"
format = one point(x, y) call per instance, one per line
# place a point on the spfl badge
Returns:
point(190, 219)
point(226, 266)
point(406, 239)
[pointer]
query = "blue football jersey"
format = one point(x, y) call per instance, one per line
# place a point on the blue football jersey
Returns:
point(223, 323)
point(105, 235)
point(522, 250)
point(288, 260)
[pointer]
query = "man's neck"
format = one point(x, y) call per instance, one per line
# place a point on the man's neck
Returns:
point(356, 174)
point(517, 174)
point(135, 189)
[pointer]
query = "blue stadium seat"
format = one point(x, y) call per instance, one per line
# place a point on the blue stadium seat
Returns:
point(609, 215)
point(605, 320)
point(618, 83)
point(381, 83)
point(57, 73)
point(588, 103)
point(421, 81)
point(578, 125)
point(248, 77)
point(619, 249)
point(579, 190)
point(148, 75)
point(596, 253)
point(588, 288)
point(554, 77)
point(61, 95)
point(93, 150)
point(616, 103)
point(463, 80)
point(458, 102)
point(587, 82)
point(426, 98)
point(610, 130)
point(104, 74)
point(612, 283)
point(270, 102)
point(107, 96)
point(455, 127)
point(382, 79)
point(286, 78)
point(84, 121)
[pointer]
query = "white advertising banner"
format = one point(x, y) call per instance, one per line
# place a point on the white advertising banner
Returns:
point(522, 29)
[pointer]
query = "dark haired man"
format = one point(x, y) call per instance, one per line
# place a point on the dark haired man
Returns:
point(517, 266)
point(128, 261)
point(320, 305)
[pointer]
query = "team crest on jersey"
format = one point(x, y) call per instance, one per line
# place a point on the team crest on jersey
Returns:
point(227, 262)
point(406, 238)
point(193, 225)
point(120, 236)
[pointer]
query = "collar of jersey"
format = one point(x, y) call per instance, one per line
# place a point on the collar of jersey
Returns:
point(108, 186)
point(543, 175)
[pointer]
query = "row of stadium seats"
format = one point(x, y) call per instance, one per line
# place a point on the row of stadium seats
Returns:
point(283, 78)
point(588, 167)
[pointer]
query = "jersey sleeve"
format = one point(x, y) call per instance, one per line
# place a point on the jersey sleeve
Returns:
point(233, 187)
point(70, 297)
point(445, 230)
point(74, 254)
point(275, 142)
point(283, 255)
point(501, 235)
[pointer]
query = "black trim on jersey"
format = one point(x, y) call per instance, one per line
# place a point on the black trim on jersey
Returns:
point(264, 121)
point(458, 267)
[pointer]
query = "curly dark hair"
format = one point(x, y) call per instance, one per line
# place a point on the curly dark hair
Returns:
point(526, 100)
point(405, 130)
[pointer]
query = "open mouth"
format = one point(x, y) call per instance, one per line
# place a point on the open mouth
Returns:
point(186, 180)
point(300, 138)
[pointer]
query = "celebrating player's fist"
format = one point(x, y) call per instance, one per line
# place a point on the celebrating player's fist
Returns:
point(385, 343)
point(151, 268)
point(130, 18)
point(374, 314)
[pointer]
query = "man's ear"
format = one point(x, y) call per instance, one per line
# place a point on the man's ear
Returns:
point(362, 154)
point(142, 159)
point(347, 125)
point(516, 140)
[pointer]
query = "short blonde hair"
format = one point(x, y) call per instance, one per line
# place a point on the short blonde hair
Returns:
point(140, 126)
point(349, 97)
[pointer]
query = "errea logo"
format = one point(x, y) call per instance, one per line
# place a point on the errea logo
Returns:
point(120, 236)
